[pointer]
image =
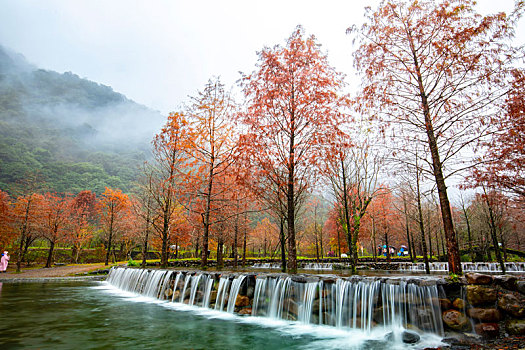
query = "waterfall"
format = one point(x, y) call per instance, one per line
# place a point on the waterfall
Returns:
point(175, 285)
point(187, 280)
point(194, 285)
point(222, 295)
point(234, 291)
point(466, 267)
point(318, 266)
point(356, 303)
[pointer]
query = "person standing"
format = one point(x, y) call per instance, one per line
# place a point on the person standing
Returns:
point(4, 261)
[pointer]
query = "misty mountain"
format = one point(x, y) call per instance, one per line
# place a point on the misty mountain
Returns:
point(69, 133)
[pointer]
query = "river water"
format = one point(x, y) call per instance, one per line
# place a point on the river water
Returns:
point(95, 315)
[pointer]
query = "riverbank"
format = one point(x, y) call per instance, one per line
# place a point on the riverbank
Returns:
point(55, 272)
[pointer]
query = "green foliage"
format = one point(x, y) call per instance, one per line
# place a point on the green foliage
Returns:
point(465, 258)
point(57, 130)
point(454, 278)
point(133, 263)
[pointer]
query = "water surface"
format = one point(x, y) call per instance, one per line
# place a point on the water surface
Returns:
point(94, 315)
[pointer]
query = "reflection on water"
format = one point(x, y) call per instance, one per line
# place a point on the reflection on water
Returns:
point(93, 315)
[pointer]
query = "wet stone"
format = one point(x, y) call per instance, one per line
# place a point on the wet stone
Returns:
point(512, 305)
point(445, 304)
point(410, 337)
point(455, 320)
point(507, 282)
point(484, 315)
point(487, 330)
point(246, 311)
point(459, 304)
point(520, 286)
point(479, 294)
point(242, 301)
point(515, 327)
point(478, 278)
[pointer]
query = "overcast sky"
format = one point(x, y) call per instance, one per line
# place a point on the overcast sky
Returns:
point(157, 52)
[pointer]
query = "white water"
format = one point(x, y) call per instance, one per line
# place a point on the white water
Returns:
point(359, 308)
point(466, 266)
point(266, 266)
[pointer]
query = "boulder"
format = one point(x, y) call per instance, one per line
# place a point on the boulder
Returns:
point(520, 286)
point(459, 304)
point(242, 301)
point(176, 296)
point(478, 278)
point(479, 295)
point(246, 311)
point(168, 292)
point(487, 330)
point(484, 315)
point(512, 305)
point(515, 327)
point(455, 320)
point(410, 337)
point(507, 282)
point(445, 304)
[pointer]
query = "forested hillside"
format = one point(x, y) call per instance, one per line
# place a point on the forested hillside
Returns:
point(66, 133)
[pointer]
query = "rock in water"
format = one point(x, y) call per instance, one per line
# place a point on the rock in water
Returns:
point(246, 311)
point(242, 301)
point(487, 330)
point(410, 337)
point(455, 320)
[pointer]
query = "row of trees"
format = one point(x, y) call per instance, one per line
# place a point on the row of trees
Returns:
point(440, 86)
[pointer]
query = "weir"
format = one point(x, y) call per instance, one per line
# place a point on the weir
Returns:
point(466, 267)
point(354, 303)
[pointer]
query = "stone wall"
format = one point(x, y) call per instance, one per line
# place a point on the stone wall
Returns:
point(490, 306)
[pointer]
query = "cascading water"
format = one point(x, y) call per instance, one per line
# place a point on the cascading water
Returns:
point(318, 266)
point(466, 267)
point(364, 304)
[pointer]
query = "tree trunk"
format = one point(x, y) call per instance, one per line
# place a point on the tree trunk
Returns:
point(469, 234)
point(236, 234)
point(244, 244)
point(387, 248)
point(220, 247)
point(421, 224)
point(494, 236)
point(283, 245)
point(321, 242)
point(374, 248)
point(290, 202)
point(204, 255)
point(145, 249)
point(454, 261)
point(410, 247)
point(49, 261)
point(109, 239)
point(503, 244)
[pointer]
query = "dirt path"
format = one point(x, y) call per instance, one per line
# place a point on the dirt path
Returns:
point(55, 271)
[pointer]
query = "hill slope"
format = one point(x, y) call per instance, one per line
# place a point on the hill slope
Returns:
point(66, 132)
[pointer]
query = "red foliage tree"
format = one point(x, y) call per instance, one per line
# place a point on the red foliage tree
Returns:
point(433, 69)
point(55, 216)
point(7, 234)
point(83, 219)
point(505, 157)
point(115, 208)
point(293, 110)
